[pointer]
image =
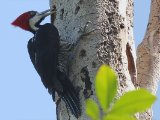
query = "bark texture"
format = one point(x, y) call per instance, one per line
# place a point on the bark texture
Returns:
point(148, 55)
point(111, 43)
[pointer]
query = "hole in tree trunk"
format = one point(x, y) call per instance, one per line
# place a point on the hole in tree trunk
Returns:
point(62, 13)
point(77, 9)
point(131, 64)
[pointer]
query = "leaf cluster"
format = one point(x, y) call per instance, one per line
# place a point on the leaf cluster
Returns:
point(122, 109)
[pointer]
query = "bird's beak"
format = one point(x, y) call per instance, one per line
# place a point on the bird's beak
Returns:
point(47, 12)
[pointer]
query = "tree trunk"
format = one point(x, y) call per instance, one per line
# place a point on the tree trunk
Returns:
point(148, 56)
point(111, 43)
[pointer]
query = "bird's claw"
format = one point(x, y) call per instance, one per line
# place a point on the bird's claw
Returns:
point(83, 29)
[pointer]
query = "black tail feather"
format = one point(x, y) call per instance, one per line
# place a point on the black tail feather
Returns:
point(72, 104)
point(69, 95)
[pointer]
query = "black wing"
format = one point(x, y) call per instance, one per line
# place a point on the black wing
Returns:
point(47, 49)
point(31, 51)
point(43, 50)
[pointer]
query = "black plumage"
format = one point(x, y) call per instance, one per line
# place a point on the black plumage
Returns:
point(43, 49)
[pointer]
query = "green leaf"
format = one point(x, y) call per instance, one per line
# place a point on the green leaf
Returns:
point(132, 102)
point(118, 117)
point(92, 109)
point(105, 86)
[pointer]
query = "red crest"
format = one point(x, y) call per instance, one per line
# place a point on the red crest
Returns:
point(22, 21)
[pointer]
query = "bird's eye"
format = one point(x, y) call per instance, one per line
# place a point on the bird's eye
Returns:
point(32, 13)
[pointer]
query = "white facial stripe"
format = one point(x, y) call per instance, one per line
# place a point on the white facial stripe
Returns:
point(34, 20)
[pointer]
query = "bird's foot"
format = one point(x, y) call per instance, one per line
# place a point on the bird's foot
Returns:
point(83, 30)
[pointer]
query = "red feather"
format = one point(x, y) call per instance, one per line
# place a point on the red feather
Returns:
point(22, 21)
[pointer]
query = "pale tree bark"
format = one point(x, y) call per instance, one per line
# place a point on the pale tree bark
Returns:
point(111, 43)
point(148, 56)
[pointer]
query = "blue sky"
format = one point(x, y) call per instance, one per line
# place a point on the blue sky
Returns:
point(23, 97)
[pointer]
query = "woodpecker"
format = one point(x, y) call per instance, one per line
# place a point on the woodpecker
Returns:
point(43, 50)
